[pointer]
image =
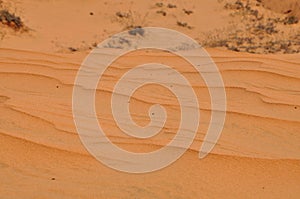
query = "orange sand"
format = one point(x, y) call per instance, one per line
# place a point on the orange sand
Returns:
point(41, 156)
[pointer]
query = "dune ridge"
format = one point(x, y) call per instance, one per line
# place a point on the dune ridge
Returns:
point(268, 87)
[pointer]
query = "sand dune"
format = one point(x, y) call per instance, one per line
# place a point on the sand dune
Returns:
point(41, 156)
point(259, 138)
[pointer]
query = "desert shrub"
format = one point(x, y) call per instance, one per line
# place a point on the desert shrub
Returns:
point(10, 20)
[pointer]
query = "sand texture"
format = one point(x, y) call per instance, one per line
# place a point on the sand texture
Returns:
point(258, 153)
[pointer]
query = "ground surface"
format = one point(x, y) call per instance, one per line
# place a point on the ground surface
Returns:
point(258, 154)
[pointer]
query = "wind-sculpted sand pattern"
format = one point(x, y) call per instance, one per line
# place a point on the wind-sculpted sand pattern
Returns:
point(258, 153)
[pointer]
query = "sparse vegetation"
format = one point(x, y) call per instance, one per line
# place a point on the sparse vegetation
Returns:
point(290, 20)
point(72, 49)
point(159, 4)
point(163, 13)
point(11, 20)
point(131, 20)
point(123, 15)
point(171, 5)
point(188, 12)
point(184, 24)
point(137, 31)
point(257, 32)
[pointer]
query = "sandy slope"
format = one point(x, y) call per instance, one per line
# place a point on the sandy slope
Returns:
point(39, 141)
point(41, 155)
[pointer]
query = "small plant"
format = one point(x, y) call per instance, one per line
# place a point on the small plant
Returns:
point(123, 15)
point(11, 20)
point(290, 20)
point(159, 4)
point(184, 24)
point(188, 12)
point(163, 13)
point(171, 6)
point(235, 6)
point(137, 31)
point(72, 49)
point(131, 20)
